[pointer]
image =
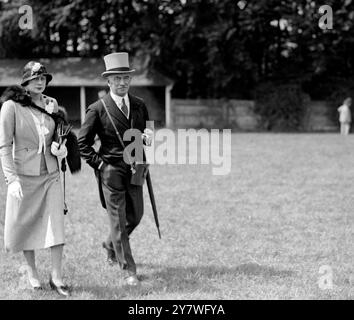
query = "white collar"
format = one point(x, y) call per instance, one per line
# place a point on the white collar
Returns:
point(118, 99)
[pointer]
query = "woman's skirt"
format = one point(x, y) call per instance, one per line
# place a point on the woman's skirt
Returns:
point(37, 221)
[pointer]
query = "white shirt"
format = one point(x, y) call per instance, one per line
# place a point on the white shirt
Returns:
point(118, 100)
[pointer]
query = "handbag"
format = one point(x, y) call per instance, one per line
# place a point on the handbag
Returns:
point(139, 170)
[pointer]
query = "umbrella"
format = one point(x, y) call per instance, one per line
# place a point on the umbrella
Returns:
point(153, 203)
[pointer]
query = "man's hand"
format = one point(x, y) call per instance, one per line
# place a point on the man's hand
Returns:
point(147, 136)
point(15, 189)
point(59, 150)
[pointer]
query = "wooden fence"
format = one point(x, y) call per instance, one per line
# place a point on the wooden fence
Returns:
point(239, 115)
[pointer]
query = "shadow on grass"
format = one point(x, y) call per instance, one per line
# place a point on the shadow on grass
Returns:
point(250, 269)
point(160, 279)
point(120, 291)
point(206, 278)
point(254, 269)
point(99, 292)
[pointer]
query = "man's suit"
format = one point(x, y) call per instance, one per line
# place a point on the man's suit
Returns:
point(123, 201)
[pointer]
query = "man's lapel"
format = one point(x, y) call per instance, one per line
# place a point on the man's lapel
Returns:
point(115, 112)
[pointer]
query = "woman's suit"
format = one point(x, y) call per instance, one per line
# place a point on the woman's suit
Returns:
point(37, 221)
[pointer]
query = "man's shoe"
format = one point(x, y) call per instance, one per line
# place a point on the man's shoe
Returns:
point(111, 256)
point(132, 280)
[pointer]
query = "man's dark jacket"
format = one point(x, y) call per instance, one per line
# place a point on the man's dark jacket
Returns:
point(97, 122)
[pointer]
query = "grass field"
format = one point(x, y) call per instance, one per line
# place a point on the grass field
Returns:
point(262, 232)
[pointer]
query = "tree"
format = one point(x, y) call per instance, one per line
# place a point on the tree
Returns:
point(210, 48)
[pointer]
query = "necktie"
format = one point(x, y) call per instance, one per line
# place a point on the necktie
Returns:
point(124, 108)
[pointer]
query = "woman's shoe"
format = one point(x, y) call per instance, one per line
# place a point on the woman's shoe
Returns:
point(35, 284)
point(62, 290)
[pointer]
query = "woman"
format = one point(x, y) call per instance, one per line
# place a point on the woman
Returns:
point(34, 216)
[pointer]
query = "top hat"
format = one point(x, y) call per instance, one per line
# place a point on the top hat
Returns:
point(33, 70)
point(117, 63)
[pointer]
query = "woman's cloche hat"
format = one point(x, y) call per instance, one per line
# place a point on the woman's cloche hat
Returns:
point(117, 63)
point(33, 70)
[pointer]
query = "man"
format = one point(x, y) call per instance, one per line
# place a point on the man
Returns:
point(123, 201)
point(345, 117)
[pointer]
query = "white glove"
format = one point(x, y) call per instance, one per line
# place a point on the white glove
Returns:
point(15, 189)
point(147, 136)
point(59, 151)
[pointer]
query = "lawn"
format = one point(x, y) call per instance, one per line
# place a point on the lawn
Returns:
point(261, 232)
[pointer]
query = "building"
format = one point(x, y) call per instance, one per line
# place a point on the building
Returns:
point(77, 83)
